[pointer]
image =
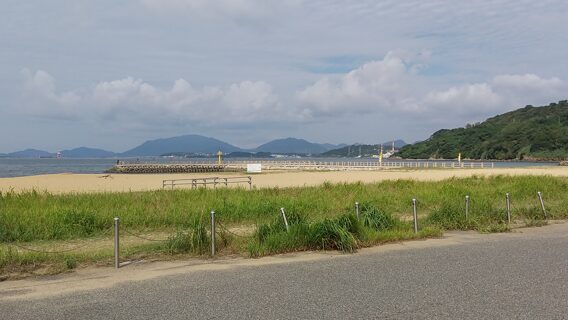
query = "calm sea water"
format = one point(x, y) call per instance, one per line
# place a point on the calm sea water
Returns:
point(29, 167)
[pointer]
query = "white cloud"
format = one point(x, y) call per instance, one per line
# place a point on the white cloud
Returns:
point(41, 99)
point(530, 88)
point(502, 93)
point(394, 86)
point(137, 101)
point(387, 87)
point(471, 99)
point(381, 85)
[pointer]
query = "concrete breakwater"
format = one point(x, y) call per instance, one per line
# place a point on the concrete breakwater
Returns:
point(564, 163)
point(171, 168)
point(240, 166)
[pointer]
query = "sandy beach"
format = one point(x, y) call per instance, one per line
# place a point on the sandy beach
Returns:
point(80, 183)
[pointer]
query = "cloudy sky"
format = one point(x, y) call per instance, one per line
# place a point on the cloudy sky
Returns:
point(112, 74)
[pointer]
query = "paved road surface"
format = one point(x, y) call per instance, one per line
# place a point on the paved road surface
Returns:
point(520, 275)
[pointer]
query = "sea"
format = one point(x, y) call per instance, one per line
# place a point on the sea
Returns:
point(15, 167)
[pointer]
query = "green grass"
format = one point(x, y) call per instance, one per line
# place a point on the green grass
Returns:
point(344, 233)
point(320, 217)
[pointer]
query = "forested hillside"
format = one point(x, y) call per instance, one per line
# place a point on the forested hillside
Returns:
point(529, 133)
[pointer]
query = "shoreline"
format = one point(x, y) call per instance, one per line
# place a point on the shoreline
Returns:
point(66, 183)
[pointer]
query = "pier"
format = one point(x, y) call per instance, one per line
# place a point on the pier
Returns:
point(170, 168)
point(241, 165)
point(358, 165)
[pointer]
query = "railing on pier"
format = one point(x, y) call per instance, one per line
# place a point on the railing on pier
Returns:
point(240, 165)
point(197, 182)
point(346, 165)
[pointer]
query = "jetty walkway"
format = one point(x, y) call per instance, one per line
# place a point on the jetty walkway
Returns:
point(357, 165)
point(170, 168)
point(241, 165)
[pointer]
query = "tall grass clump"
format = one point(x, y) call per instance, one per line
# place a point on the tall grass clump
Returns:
point(192, 240)
point(377, 219)
point(344, 233)
point(334, 234)
point(482, 217)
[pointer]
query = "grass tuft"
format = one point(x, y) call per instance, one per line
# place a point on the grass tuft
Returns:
point(333, 234)
point(193, 240)
point(377, 219)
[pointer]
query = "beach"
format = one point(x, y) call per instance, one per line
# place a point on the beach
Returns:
point(89, 183)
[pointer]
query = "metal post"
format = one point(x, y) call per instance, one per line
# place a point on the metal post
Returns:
point(285, 220)
point(508, 207)
point(357, 210)
point(542, 204)
point(415, 215)
point(466, 206)
point(213, 233)
point(116, 243)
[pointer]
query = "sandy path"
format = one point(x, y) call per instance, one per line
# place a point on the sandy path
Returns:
point(68, 183)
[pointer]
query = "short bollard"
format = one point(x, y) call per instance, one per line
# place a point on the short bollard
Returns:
point(415, 215)
point(508, 207)
point(357, 210)
point(212, 233)
point(285, 220)
point(542, 204)
point(116, 243)
point(466, 206)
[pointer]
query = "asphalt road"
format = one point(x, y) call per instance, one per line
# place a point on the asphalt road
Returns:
point(507, 276)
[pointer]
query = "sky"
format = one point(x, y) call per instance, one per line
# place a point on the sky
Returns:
point(112, 74)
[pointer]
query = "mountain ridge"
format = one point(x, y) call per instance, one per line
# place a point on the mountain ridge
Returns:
point(293, 145)
point(191, 144)
point(30, 153)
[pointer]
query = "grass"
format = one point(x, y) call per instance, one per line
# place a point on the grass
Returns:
point(344, 233)
point(320, 217)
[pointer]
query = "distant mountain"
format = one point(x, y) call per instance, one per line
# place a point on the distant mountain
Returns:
point(189, 145)
point(30, 153)
point(182, 144)
point(330, 146)
point(398, 143)
point(535, 133)
point(364, 150)
point(84, 152)
point(293, 145)
point(243, 154)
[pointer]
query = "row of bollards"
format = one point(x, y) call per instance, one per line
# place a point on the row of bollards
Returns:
point(283, 213)
point(508, 205)
point(467, 202)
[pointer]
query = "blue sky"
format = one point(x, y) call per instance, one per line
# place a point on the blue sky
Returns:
point(112, 74)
